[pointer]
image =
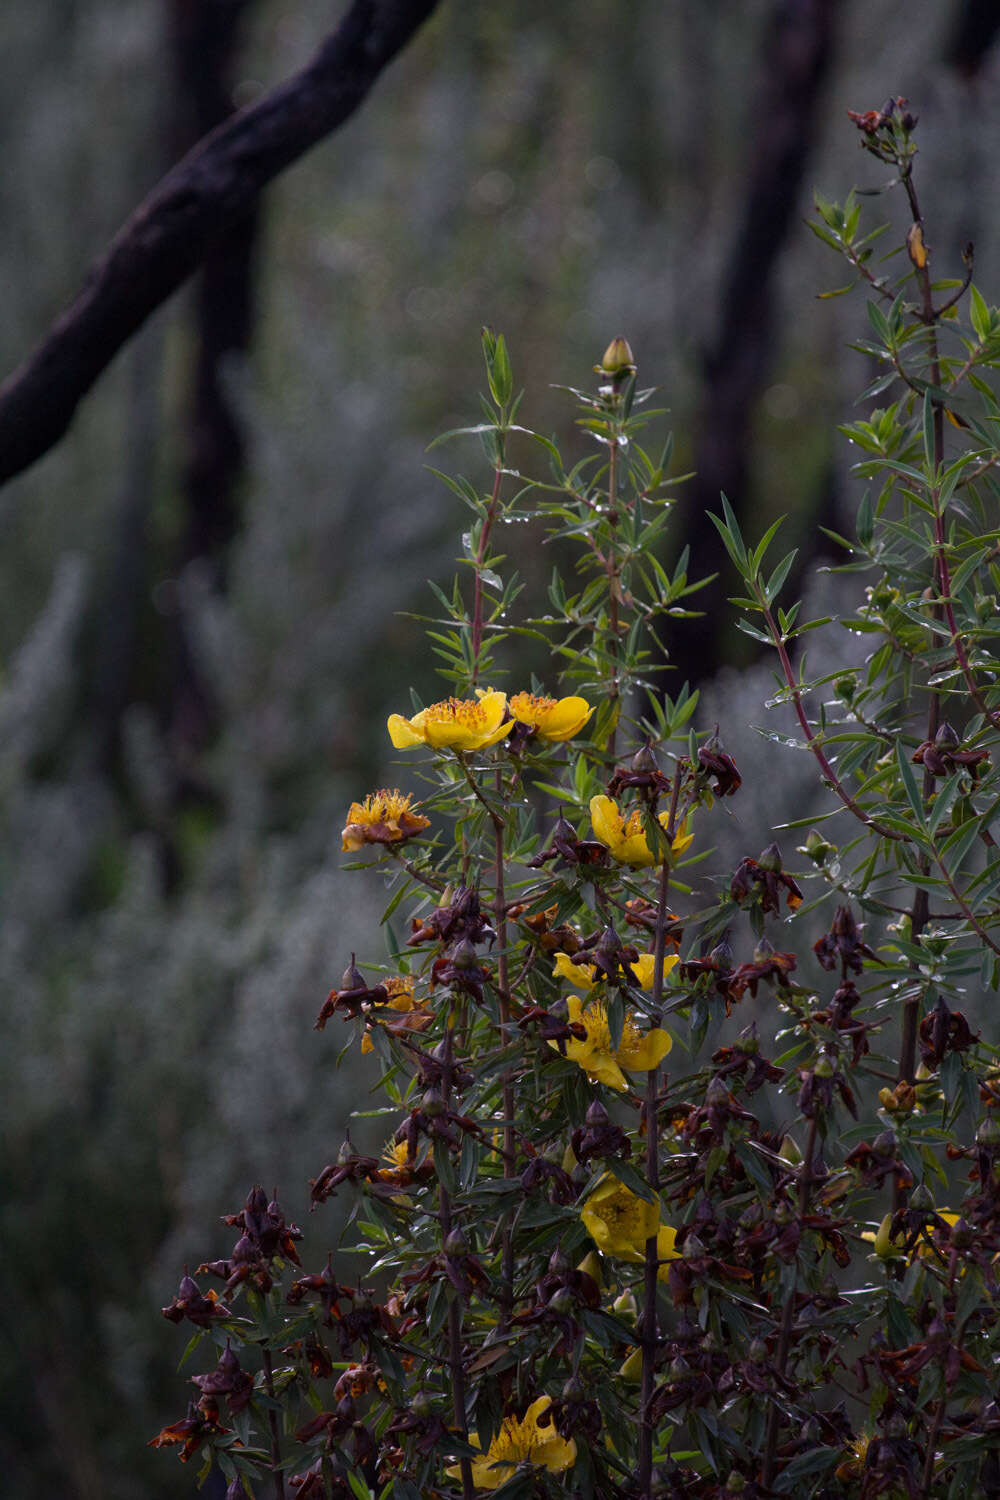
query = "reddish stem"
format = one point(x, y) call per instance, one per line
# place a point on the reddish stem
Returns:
point(477, 586)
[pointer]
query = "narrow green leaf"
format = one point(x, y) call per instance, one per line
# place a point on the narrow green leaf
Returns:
point(930, 454)
point(909, 782)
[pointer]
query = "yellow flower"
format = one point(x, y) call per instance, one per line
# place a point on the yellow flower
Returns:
point(554, 719)
point(454, 724)
point(888, 1247)
point(409, 1015)
point(521, 1440)
point(638, 1051)
point(625, 837)
point(582, 975)
point(384, 817)
point(853, 1466)
point(620, 1223)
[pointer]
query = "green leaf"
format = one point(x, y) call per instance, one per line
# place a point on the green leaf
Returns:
point(500, 375)
point(958, 844)
point(979, 313)
point(776, 581)
point(729, 530)
point(930, 446)
point(909, 782)
point(806, 1466)
point(865, 524)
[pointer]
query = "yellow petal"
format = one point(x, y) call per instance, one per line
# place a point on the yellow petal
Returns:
point(643, 970)
point(600, 1068)
point(645, 1050)
point(574, 1006)
point(402, 732)
point(681, 838)
point(579, 974)
point(606, 820)
point(666, 1249)
point(646, 963)
point(565, 720)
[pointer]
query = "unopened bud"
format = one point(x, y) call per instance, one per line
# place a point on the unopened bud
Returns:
point(353, 978)
point(921, 1198)
point(618, 358)
point(591, 1266)
point(885, 1245)
point(790, 1152)
point(433, 1104)
point(456, 1243)
point(816, 847)
point(463, 955)
point(644, 762)
point(631, 1369)
point(561, 1301)
point(770, 859)
point(625, 1306)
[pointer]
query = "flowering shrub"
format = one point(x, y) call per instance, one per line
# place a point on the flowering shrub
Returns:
point(581, 1273)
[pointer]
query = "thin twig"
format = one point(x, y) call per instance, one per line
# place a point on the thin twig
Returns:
point(788, 1315)
point(272, 1419)
point(650, 1335)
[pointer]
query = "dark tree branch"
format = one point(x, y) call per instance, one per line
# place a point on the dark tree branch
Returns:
point(171, 232)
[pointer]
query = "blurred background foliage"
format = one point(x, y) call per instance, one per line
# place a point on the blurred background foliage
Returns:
point(203, 583)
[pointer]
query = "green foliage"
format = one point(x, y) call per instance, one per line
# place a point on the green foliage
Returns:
point(612, 1243)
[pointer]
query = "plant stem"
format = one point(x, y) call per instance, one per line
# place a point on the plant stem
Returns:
point(649, 1331)
point(932, 1437)
point(921, 900)
point(503, 999)
point(481, 551)
point(272, 1420)
point(455, 1364)
point(411, 869)
point(829, 774)
point(788, 1315)
point(612, 568)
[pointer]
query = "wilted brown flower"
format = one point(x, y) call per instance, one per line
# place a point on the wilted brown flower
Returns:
point(941, 755)
point(763, 880)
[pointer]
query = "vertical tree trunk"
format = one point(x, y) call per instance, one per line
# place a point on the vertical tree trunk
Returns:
point(204, 39)
point(795, 57)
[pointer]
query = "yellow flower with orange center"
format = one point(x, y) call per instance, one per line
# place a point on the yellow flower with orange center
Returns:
point(626, 838)
point(384, 817)
point(637, 1051)
point(521, 1440)
point(583, 974)
point(453, 724)
point(620, 1223)
point(552, 718)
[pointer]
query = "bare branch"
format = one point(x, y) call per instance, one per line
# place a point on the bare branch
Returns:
point(170, 233)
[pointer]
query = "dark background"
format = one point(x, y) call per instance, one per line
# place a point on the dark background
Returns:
point(201, 634)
